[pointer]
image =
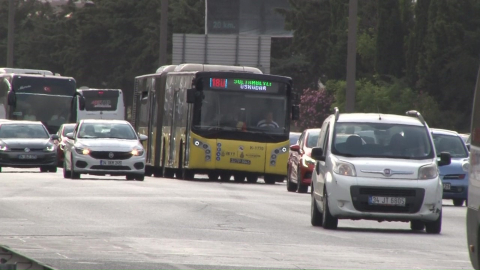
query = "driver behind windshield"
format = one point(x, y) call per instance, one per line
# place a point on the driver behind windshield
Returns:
point(268, 121)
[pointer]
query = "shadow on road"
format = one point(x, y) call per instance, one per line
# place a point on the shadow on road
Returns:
point(381, 230)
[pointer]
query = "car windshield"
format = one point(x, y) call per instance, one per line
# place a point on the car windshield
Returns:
point(312, 139)
point(294, 138)
point(68, 129)
point(107, 130)
point(451, 144)
point(382, 141)
point(23, 131)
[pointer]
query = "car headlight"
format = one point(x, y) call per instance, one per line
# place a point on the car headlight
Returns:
point(3, 148)
point(82, 151)
point(428, 172)
point(137, 152)
point(307, 161)
point(50, 148)
point(466, 166)
point(344, 168)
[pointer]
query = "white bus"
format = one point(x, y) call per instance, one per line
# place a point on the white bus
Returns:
point(473, 200)
point(101, 104)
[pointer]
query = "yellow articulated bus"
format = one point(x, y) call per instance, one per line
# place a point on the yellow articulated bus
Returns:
point(222, 121)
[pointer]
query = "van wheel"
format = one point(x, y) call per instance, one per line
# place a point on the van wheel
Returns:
point(434, 227)
point(139, 177)
point(458, 202)
point(315, 215)
point(329, 222)
point(417, 225)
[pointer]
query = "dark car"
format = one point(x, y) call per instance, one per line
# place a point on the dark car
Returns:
point(62, 138)
point(27, 144)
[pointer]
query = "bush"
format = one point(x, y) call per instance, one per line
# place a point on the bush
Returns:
point(314, 108)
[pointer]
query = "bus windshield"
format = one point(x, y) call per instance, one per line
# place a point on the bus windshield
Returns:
point(36, 107)
point(245, 111)
point(44, 85)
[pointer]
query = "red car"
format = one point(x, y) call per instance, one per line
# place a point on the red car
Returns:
point(300, 165)
point(62, 138)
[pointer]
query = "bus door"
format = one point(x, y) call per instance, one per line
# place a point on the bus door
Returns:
point(173, 127)
point(151, 121)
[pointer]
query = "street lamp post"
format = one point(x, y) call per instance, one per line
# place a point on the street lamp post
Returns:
point(351, 55)
point(11, 26)
point(163, 33)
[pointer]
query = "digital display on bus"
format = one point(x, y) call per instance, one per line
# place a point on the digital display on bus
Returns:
point(244, 85)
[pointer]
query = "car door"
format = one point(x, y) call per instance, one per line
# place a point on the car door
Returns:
point(318, 180)
point(69, 146)
point(295, 158)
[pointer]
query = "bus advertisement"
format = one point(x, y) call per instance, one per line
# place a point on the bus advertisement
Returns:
point(37, 95)
point(100, 104)
point(473, 200)
point(222, 121)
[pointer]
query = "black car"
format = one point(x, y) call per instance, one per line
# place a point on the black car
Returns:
point(27, 144)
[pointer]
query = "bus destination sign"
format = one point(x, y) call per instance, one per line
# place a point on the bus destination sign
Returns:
point(244, 84)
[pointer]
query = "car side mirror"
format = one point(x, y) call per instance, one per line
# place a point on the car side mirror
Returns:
point(317, 154)
point(445, 159)
point(142, 137)
point(191, 96)
point(54, 137)
point(11, 98)
point(295, 112)
point(81, 102)
point(70, 136)
point(295, 147)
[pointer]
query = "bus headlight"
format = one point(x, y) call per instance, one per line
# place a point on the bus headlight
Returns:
point(50, 148)
point(137, 152)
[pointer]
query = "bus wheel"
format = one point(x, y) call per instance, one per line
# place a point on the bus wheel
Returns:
point(213, 176)
point(269, 179)
point(239, 178)
point(225, 177)
point(187, 174)
point(252, 179)
point(157, 172)
point(168, 173)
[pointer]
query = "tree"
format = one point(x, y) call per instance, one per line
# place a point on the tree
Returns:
point(314, 108)
point(389, 59)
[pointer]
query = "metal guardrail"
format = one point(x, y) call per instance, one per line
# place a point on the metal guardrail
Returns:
point(11, 260)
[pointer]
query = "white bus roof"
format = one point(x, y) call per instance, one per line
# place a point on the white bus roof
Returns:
point(204, 67)
point(97, 89)
point(25, 71)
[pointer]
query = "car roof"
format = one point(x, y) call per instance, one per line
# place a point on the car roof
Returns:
point(378, 118)
point(444, 132)
point(104, 121)
point(21, 122)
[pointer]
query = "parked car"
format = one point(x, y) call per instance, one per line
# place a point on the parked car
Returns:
point(300, 164)
point(454, 176)
point(27, 144)
point(104, 147)
point(294, 137)
point(62, 138)
point(395, 178)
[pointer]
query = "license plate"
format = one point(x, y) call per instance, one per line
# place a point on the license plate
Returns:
point(447, 186)
point(110, 162)
point(27, 156)
point(391, 201)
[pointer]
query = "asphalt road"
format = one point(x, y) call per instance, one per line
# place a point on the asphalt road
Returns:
point(110, 223)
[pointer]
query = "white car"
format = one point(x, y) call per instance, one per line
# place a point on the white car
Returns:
point(104, 147)
point(391, 177)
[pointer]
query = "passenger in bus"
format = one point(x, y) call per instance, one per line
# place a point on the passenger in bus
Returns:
point(268, 121)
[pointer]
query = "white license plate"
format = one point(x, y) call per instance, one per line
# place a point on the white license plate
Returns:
point(447, 186)
point(391, 201)
point(27, 156)
point(110, 162)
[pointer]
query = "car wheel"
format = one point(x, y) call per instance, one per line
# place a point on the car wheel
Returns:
point(301, 188)
point(73, 174)
point(252, 179)
point(269, 179)
point(213, 176)
point(225, 177)
point(66, 174)
point(329, 222)
point(130, 177)
point(315, 215)
point(434, 227)
point(417, 225)
point(239, 178)
point(139, 177)
point(53, 169)
point(43, 169)
point(458, 202)
point(291, 187)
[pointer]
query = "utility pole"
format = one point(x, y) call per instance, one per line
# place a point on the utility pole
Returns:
point(11, 27)
point(351, 55)
point(206, 18)
point(163, 33)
